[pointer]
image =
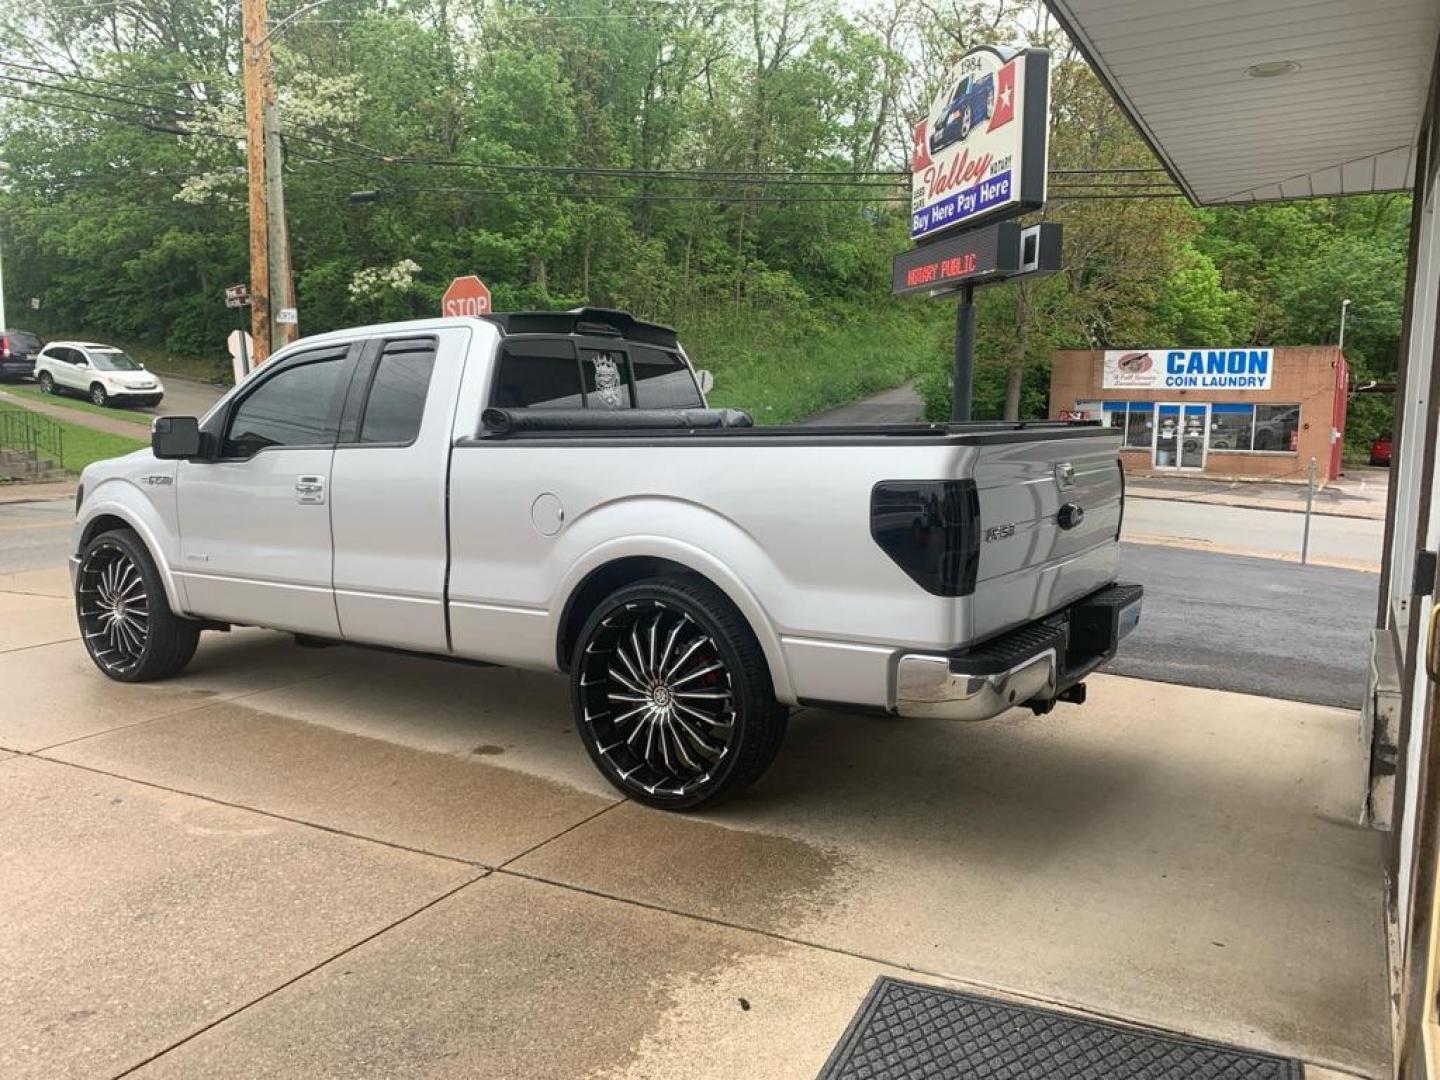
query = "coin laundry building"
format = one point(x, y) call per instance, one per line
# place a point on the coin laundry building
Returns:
point(1227, 411)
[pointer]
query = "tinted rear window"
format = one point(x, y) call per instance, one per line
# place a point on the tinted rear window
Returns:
point(22, 341)
point(538, 375)
point(662, 380)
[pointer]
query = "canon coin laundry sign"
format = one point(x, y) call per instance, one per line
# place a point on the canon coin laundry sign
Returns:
point(980, 153)
point(1189, 369)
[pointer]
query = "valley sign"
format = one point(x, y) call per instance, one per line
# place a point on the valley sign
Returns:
point(980, 153)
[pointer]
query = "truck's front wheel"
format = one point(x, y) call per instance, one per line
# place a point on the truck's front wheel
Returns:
point(672, 694)
point(128, 627)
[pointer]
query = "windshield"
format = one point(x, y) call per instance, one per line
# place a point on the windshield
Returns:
point(112, 360)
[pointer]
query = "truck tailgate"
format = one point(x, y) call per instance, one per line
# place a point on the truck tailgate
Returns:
point(1049, 519)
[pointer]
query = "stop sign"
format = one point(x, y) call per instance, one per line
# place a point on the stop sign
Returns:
point(466, 295)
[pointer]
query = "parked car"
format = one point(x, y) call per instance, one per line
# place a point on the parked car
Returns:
point(971, 103)
point(17, 353)
point(1380, 450)
point(103, 373)
point(549, 491)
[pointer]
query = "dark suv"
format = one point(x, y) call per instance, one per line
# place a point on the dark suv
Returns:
point(17, 353)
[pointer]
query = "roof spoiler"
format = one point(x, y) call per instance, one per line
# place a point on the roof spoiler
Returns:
point(601, 322)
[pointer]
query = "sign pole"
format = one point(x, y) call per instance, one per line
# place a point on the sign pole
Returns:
point(962, 382)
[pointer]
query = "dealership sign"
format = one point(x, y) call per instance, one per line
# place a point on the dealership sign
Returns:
point(1189, 369)
point(980, 153)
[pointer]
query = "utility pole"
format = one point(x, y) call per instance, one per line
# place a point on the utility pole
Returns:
point(272, 287)
point(282, 282)
point(255, 63)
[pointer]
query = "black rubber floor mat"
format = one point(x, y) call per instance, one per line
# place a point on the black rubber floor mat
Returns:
point(905, 1031)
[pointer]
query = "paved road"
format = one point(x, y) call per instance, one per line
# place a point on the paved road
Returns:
point(185, 397)
point(34, 534)
point(901, 405)
point(1257, 626)
point(1350, 540)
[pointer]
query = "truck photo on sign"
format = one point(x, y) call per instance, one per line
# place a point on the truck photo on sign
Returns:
point(980, 153)
point(1188, 369)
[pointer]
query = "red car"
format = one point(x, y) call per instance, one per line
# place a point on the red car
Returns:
point(1380, 450)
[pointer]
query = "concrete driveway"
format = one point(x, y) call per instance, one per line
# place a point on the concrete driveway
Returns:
point(295, 862)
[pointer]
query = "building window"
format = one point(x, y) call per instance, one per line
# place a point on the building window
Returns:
point(1140, 425)
point(1277, 427)
point(1254, 427)
point(1231, 426)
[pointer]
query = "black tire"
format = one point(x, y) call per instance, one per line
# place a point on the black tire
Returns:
point(671, 753)
point(46, 381)
point(965, 125)
point(98, 396)
point(125, 620)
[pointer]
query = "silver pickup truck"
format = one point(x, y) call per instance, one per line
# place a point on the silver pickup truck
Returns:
point(548, 490)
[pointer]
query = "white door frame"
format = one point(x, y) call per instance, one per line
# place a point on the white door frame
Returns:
point(1182, 406)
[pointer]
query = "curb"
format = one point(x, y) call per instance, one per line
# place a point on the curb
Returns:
point(1131, 493)
point(1194, 543)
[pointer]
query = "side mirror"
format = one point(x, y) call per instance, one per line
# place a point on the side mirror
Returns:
point(175, 437)
point(82, 362)
point(705, 380)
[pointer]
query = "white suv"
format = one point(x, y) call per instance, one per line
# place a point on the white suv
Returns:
point(103, 373)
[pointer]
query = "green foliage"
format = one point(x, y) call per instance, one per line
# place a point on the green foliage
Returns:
point(540, 143)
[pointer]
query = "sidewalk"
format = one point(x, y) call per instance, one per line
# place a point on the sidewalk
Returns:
point(81, 417)
point(300, 863)
point(1360, 493)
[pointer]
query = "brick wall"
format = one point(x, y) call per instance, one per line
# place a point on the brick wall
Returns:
point(1303, 375)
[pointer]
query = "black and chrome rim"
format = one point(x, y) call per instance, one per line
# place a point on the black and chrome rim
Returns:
point(657, 698)
point(114, 607)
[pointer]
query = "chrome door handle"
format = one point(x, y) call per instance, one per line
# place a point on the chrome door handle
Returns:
point(310, 489)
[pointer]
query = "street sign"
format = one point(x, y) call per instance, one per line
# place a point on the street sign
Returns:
point(971, 257)
point(237, 296)
point(980, 153)
point(467, 295)
point(241, 347)
point(288, 315)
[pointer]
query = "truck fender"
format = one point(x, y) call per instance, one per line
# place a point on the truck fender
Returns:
point(117, 498)
point(701, 562)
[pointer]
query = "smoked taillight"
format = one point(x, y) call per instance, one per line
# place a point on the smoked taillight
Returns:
point(931, 529)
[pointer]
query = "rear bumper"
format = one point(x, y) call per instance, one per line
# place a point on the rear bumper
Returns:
point(17, 369)
point(1030, 665)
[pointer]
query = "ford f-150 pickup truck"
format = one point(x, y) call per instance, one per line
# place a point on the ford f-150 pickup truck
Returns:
point(550, 491)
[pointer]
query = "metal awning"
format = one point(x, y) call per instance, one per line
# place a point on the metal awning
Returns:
point(1267, 99)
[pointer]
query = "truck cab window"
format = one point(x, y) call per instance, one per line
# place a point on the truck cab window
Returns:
point(538, 375)
point(397, 393)
point(298, 406)
point(663, 380)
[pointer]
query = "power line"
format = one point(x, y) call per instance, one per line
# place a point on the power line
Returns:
point(157, 89)
point(92, 94)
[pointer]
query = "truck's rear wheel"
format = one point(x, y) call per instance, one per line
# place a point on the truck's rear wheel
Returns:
point(125, 619)
point(672, 694)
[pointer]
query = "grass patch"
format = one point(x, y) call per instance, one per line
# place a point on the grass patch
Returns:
point(781, 375)
point(80, 445)
point(32, 392)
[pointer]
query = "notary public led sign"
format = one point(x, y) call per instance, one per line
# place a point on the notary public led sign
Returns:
point(974, 256)
point(980, 153)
